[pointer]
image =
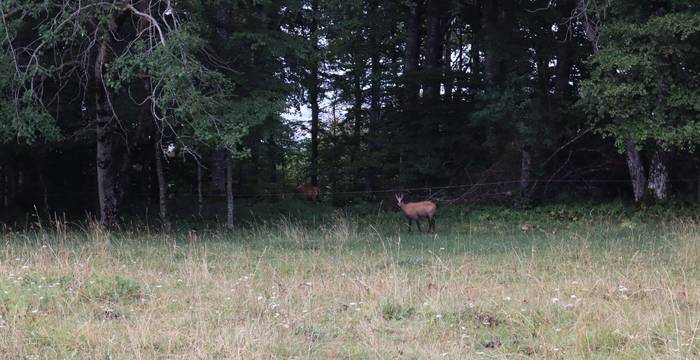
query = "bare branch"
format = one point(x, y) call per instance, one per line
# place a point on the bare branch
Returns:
point(151, 19)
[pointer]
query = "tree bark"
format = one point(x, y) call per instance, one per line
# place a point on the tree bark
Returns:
point(658, 183)
point(446, 67)
point(200, 196)
point(565, 51)
point(106, 179)
point(525, 168)
point(475, 47)
point(229, 192)
point(217, 170)
point(3, 188)
point(313, 94)
point(636, 170)
point(497, 24)
point(433, 52)
point(412, 54)
point(375, 93)
point(162, 187)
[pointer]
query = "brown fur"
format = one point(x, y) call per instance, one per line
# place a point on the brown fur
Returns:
point(414, 211)
point(309, 192)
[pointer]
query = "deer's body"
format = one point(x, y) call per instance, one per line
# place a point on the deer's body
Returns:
point(415, 211)
point(309, 192)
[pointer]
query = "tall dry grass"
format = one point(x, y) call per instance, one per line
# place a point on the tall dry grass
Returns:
point(337, 289)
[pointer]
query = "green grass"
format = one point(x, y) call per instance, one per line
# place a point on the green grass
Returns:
point(550, 282)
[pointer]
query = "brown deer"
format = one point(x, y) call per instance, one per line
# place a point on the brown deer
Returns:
point(414, 211)
point(309, 192)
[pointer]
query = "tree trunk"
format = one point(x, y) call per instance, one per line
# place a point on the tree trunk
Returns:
point(658, 183)
point(636, 170)
point(3, 188)
point(475, 47)
point(106, 179)
point(313, 95)
point(357, 114)
point(229, 192)
point(412, 54)
point(525, 168)
point(433, 52)
point(162, 187)
point(217, 172)
point(564, 51)
point(446, 68)
point(200, 196)
point(375, 94)
point(496, 26)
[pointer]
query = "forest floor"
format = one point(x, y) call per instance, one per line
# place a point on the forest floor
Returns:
point(554, 283)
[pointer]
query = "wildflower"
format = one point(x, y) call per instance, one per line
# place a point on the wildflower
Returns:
point(569, 306)
point(573, 296)
point(438, 316)
point(555, 300)
point(506, 298)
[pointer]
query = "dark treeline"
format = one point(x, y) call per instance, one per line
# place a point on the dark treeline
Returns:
point(112, 108)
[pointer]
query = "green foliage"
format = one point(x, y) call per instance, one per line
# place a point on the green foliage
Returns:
point(23, 119)
point(392, 310)
point(645, 78)
point(112, 289)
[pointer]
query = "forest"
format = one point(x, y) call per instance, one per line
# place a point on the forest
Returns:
point(200, 108)
point(231, 179)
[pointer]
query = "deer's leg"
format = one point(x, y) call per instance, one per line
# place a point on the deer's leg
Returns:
point(418, 224)
point(431, 224)
point(409, 224)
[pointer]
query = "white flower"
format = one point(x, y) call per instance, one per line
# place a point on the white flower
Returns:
point(506, 298)
point(555, 300)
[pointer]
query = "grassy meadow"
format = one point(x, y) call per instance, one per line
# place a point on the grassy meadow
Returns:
point(552, 283)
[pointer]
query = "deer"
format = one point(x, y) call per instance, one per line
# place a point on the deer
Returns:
point(414, 211)
point(309, 192)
